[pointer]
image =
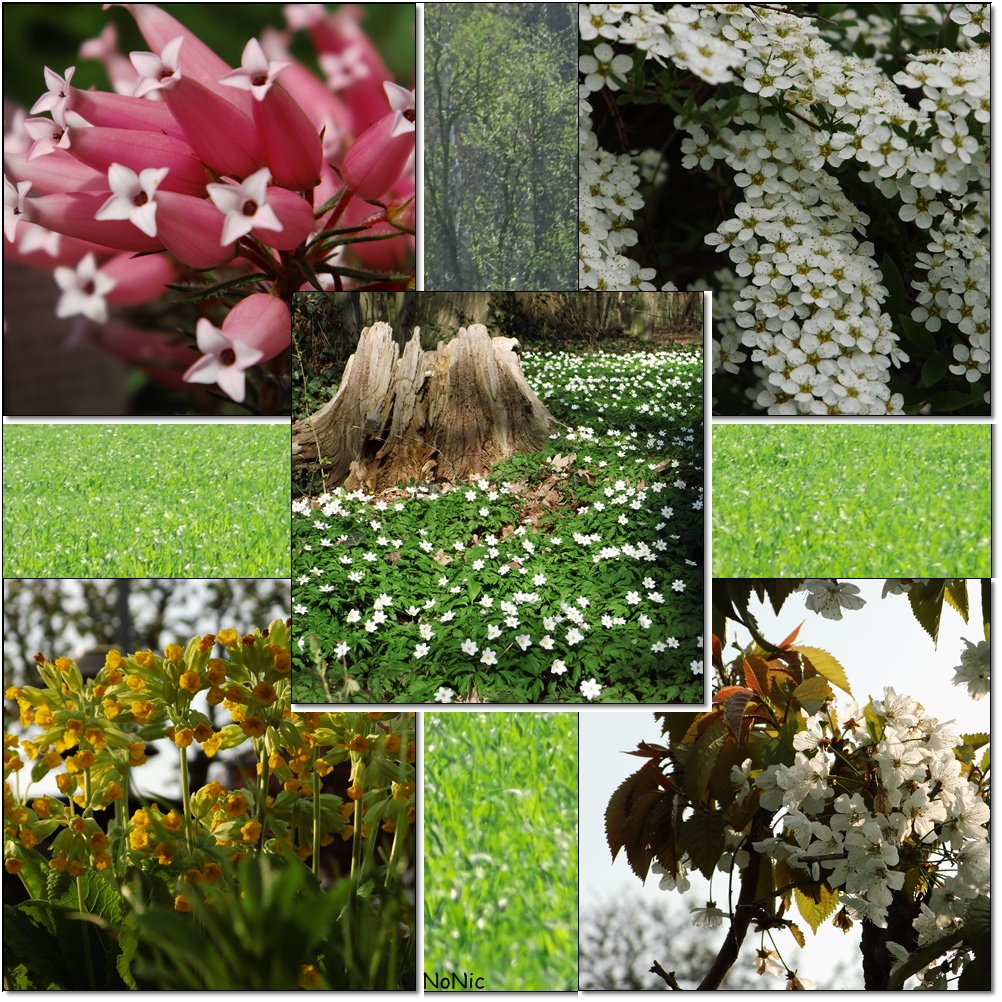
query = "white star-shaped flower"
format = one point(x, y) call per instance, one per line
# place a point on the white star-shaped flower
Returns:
point(84, 289)
point(256, 73)
point(13, 205)
point(157, 72)
point(244, 205)
point(224, 360)
point(57, 93)
point(133, 196)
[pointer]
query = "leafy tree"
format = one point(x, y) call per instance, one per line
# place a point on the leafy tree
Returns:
point(500, 145)
point(875, 814)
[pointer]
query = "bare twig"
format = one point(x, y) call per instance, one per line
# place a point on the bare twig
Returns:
point(667, 976)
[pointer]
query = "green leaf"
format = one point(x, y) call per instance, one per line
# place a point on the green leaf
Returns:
point(704, 757)
point(903, 970)
point(702, 836)
point(933, 370)
point(976, 740)
point(813, 694)
point(826, 665)
point(927, 605)
point(815, 912)
point(621, 805)
point(918, 334)
point(895, 286)
point(952, 401)
point(986, 606)
point(199, 293)
point(29, 941)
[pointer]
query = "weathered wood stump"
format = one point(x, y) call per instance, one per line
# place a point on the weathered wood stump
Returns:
point(443, 415)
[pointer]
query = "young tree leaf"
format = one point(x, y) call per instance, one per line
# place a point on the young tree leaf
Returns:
point(621, 804)
point(734, 710)
point(778, 590)
point(976, 740)
point(927, 605)
point(704, 757)
point(986, 607)
point(638, 832)
point(757, 675)
point(903, 970)
point(813, 694)
point(793, 636)
point(815, 912)
point(956, 595)
point(702, 836)
point(798, 934)
point(895, 286)
point(826, 665)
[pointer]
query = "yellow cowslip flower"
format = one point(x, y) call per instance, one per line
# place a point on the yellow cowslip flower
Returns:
point(215, 696)
point(12, 692)
point(291, 785)
point(264, 693)
point(375, 714)
point(359, 743)
point(114, 677)
point(113, 661)
point(14, 763)
point(282, 659)
point(173, 653)
point(305, 851)
point(184, 737)
point(113, 791)
point(94, 736)
point(30, 749)
point(165, 852)
point(60, 863)
point(75, 869)
point(411, 815)
point(326, 840)
point(347, 810)
point(206, 643)
point(253, 727)
point(355, 792)
point(392, 744)
point(102, 861)
point(182, 904)
point(72, 765)
point(389, 826)
point(193, 877)
point(137, 753)
point(212, 872)
point(251, 831)
point(402, 792)
point(309, 977)
point(203, 732)
point(41, 807)
point(145, 659)
point(25, 712)
point(12, 864)
point(85, 758)
point(410, 752)
point(44, 717)
point(275, 761)
point(77, 825)
point(27, 838)
point(228, 638)
point(211, 745)
point(74, 725)
point(99, 691)
point(236, 805)
point(323, 768)
point(139, 839)
point(215, 671)
point(190, 681)
point(173, 821)
point(236, 694)
point(142, 711)
point(135, 683)
point(141, 819)
point(111, 708)
point(19, 815)
point(98, 842)
point(63, 664)
point(66, 783)
point(347, 832)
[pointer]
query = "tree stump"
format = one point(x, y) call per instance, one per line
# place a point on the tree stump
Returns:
point(420, 416)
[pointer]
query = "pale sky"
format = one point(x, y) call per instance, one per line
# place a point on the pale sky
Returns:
point(879, 645)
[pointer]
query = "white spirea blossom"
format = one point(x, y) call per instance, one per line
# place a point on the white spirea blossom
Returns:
point(807, 300)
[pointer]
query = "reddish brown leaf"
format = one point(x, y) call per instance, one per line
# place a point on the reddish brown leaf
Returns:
point(718, 658)
point(789, 640)
point(621, 805)
point(646, 750)
point(757, 675)
point(734, 709)
point(721, 695)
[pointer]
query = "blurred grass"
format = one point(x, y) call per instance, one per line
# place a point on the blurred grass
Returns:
point(36, 35)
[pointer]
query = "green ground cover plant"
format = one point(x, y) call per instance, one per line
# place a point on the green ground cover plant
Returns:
point(501, 869)
point(145, 500)
point(572, 574)
point(840, 500)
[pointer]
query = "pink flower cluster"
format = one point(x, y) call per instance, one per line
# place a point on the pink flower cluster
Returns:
point(192, 165)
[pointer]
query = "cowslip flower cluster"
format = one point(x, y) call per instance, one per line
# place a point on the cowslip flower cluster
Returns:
point(808, 303)
point(259, 175)
point(874, 800)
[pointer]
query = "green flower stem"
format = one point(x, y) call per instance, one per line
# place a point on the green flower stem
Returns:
point(316, 814)
point(262, 798)
point(89, 809)
point(85, 932)
point(186, 801)
point(356, 856)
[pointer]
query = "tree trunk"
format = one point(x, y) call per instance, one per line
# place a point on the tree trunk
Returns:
point(446, 415)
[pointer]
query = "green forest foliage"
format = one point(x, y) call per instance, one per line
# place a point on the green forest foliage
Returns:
point(500, 146)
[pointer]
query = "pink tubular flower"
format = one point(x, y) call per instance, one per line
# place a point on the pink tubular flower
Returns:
point(101, 147)
point(221, 135)
point(120, 111)
point(224, 360)
point(192, 229)
point(13, 206)
point(58, 171)
point(74, 214)
point(138, 280)
point(84, 291)
point(50, 134)
point(380, 155)
point(245, 206)
point(133, 196)
point(261, 321)
point(104, 48)
point(290, 143)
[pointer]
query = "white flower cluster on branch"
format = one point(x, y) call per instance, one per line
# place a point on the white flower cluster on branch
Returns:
point(817, 307)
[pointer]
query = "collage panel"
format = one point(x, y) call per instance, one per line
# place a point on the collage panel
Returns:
point(500, 146)
point(498, 498)
point(171, 500)
point(161, 213)
point(216, 840)
point(500, 851)
point(824, 824)
point(840, 498)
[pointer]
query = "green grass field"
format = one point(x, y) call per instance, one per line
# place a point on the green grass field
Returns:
point(146, 500)
point(501, 860)
point(838, 500)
